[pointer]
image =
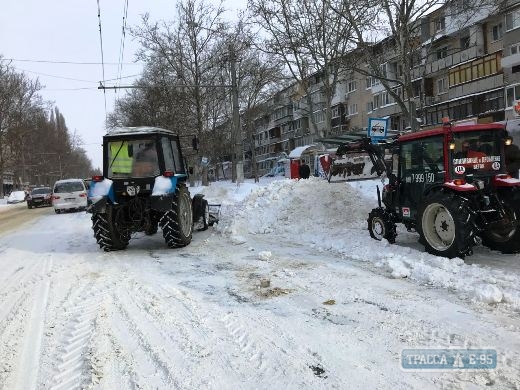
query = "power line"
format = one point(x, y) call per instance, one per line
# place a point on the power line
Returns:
point(102, 57)
point(123, 36)
point(68, 62)
point(69, 89)
point(57, 77)
point(101, 86)
point(73, 79)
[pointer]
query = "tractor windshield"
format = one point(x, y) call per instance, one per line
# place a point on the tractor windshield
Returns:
point(477, 152)
point(132, 158)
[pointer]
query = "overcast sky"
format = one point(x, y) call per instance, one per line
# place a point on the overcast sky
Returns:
point(68, 31)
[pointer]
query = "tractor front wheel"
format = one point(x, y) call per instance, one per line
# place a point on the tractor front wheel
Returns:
point(177, 223)
point(446, 226)
point(381, 225)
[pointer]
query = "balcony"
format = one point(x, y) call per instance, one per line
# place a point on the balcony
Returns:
point(510, 61)
point(449, 61)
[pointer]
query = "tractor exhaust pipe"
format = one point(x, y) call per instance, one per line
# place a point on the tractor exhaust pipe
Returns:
point(378, 196)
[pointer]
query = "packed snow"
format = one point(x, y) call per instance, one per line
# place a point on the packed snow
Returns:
point(287, 291)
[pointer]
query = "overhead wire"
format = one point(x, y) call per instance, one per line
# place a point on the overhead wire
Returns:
point(123, 36)
point(54, 76)
point(68, 62)
point(102, 58)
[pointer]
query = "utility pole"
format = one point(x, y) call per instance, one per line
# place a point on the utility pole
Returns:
point(238, 163)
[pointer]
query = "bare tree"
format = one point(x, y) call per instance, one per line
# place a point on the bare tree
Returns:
point(309, 36)
point(397, 35)
point(259, 77)
point(18, 95)
point(190, 48)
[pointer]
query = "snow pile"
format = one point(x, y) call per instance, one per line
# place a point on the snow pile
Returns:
point(333, 217)
point(305, 208)
point(224, 192)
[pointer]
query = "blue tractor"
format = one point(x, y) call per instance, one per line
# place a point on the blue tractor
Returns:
point(143, 187)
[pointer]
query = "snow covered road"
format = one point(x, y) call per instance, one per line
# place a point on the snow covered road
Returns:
point(72, 316)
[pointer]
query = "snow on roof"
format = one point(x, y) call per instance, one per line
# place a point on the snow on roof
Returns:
point(297, 152)
point(136, 130)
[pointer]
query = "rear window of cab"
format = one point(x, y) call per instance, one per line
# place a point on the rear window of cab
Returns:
point(72, 186)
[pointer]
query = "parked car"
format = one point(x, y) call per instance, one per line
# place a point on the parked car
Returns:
point(69, 194)
point(40, 196)
point(16, 197)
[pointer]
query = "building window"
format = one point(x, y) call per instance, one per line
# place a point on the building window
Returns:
point(399, 92)
point(351, 86)
point(319, 116)
point(498, 32)
point(385, 99)
point(372, 82)
point(514, 49)
point(370, 106)
point(377, 101)
point(513, 20)
point(442, 85)
point(416, 86)
point(464, 43)
point(442, 52)
point(512, 94)
point(382, 69)
point(335, 112)
point(440, 24)
point(352, 109)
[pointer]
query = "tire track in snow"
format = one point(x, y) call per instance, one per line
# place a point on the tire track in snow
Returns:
point(146, 359)
point(186, 321)
point(180, 319)
point(71, 359)
point(29, 360)
point(159, 348)
point(21, 277)
point(111, 368)
point(267, 347)
point(11, 336)
point(15, 310)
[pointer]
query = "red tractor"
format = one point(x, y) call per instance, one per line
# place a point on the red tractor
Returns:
point(450, 185)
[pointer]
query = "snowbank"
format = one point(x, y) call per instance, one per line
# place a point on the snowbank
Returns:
point(333, 217)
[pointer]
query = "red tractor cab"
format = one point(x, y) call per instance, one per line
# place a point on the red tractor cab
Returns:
point(450, 185)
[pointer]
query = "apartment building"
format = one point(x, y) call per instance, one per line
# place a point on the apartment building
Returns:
point(465, 66)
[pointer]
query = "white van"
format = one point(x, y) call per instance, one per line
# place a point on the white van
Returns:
point(69, 194)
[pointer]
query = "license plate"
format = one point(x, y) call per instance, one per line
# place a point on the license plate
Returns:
point(69, 199)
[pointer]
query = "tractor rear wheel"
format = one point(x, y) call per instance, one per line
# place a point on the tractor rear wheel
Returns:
point(109, 233)
point(381, 225)
point(177, 223)
point(504, 236)
point(446, 225)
